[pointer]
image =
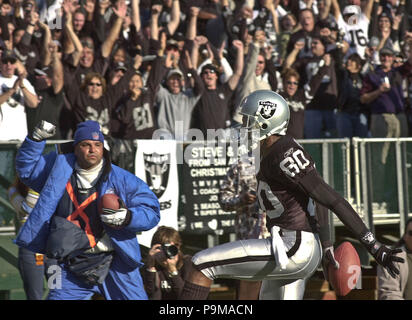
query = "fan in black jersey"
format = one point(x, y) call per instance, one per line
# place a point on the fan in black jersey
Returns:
point(288, 185)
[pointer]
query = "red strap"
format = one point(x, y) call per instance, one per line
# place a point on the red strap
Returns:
point(79, 211)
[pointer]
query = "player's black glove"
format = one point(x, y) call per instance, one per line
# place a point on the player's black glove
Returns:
point(43, 130)
point(383, 255)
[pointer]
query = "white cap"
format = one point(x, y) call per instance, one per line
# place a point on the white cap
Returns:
point(174, 71)
point(351, 9)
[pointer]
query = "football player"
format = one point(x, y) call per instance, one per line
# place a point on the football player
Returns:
point(288, 183)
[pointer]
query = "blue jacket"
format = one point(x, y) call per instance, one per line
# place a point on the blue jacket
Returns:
point(48, 175)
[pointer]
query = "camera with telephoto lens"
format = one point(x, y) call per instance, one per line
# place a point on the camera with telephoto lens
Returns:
point(170, 250)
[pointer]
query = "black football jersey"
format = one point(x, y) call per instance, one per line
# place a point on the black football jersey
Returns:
point(286, 203)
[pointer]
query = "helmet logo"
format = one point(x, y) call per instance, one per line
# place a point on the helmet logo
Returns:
point(266, 109)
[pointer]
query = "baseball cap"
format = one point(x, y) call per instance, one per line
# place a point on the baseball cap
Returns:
point(27, 5)
point(172, 43)
point(385, 14)
point(178, 36)
point(8, 56)
point(351, 9)
point(173, 72)
point(209, 66)
point(120, 66)
point(373, 42)
point(88, 130)
point(386, 51)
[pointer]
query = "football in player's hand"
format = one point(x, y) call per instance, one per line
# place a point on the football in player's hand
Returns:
point(110, 201)
point(344, 279)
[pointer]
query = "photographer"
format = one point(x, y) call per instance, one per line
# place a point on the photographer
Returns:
point(166, 268)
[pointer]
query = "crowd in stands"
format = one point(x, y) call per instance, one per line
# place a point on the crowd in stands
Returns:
point(135, 66)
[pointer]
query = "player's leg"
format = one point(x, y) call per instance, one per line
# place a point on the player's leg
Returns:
point(248, 290)
point(209, 262)
point(197, 287)
point(253, 260)
point(234, 260)
point(278, 290)
point(293, 287)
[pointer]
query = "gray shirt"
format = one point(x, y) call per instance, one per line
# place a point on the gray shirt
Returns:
point(175, 111)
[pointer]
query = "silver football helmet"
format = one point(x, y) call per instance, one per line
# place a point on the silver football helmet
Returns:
point(266, 111)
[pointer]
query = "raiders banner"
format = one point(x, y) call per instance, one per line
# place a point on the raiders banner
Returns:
point(156, 165)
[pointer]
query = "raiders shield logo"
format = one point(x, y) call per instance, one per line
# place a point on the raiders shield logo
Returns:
point(266, 109)
point(157, 168)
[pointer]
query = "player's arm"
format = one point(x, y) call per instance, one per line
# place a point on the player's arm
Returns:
point(322, 214)
point(324, 194)
point(321, 192)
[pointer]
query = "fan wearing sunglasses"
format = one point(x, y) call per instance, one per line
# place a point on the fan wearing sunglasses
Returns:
point(399, 288)
point(94, 102)
point(297, 98)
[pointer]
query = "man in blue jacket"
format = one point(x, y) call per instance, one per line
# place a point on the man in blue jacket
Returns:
point(97, 252)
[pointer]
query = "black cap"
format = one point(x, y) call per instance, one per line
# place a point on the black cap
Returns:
point(27, 5)
point(209, 66)
point(386, 51)
point(172, 43)
point(179, 36)
point(120, 66)
point(386, 14)
point(8, 56)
